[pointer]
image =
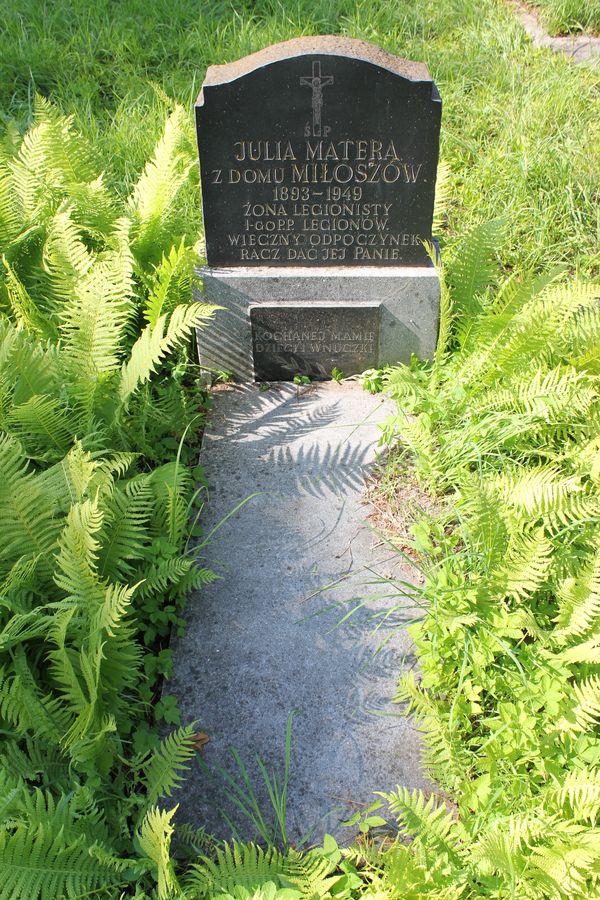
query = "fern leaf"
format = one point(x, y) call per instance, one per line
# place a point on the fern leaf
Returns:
point(431, 824)
point(27, 519)
point(23, 307)
point(585, 710)
point(579, 602)
point(162, 772)
point(154, 343)
point(43, 425)
point(36, 863)
point(238, 865)
point(579, 794)
point(154, 838)
point(171, 284)
point(527, 564)
point(124, 530)
point(474, 268)
point(11, 221)
point(151, 203)
point(443, 190)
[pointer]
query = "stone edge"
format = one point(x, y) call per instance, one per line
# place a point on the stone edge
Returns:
point(326, 45)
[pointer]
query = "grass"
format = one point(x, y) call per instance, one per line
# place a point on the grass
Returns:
point(567, 16)
point(519, 129)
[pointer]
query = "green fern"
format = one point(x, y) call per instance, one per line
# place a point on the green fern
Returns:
point(36, 863)
point(155, 342)
point(152, 200)
point(154, 838)
point(251, 868)
point(162, 771)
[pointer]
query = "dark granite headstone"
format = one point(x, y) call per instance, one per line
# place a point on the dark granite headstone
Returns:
point(321, 151)
point(290, 340)
point(318, 162)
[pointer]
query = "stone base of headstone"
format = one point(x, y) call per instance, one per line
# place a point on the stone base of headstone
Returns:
point(404, 301)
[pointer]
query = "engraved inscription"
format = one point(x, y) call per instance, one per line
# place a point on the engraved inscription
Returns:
point(320, 161)
point(318, 209)
point(291, 340)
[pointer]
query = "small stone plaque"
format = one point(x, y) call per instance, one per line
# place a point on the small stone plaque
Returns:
point(291, 339)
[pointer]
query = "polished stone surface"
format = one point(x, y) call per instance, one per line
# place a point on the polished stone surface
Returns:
point(291, 339)
point(319, 151)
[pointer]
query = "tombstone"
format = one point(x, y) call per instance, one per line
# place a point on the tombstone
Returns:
point(318, 161)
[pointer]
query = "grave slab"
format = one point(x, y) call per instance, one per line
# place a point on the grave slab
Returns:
point(268, 637)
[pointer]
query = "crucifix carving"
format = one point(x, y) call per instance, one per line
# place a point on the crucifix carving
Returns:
point(317, 82)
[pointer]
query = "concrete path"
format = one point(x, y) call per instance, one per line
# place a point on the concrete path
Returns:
point(268, 638)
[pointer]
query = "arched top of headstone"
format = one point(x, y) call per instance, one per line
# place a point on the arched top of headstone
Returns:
point(322, 45)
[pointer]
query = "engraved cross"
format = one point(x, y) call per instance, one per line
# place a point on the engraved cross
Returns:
point(317, 82)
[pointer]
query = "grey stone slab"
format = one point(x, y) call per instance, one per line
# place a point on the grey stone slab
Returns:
point(268, 637)
point(409, 298)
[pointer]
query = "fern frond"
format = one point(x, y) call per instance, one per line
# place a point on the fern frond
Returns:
point(154, 343)
point(540, 327)
point(584, 652)
point(162, 771)
point(527, 563)
point(579, 602)
point(558, 394)
point(579, 795)
point(69, 157)
point(154, 838)
point(238, 865)
point(585, 709)
point(443, 190)
point(529, 326)
point(172, 282)
point(23, 307)
point(584, 333)
point(93, 320)
point(26, 706)
point(563, 869)
point(122, 539)
point(37, 863)
point(66, 259)
point(503, 846)
point(545, 492)
point(404, 385)
point(151, 203)
point(78, 550)
point(309, 873)
point(27, 521)
point(11, 222)
point(473, 271)
point(163, 573)
point(431, 824)
point(43, 425)
point(29, 366)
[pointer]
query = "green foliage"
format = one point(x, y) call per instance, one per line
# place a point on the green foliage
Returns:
point(567, 16)
point(519, 132)
point(506, 422)
point(250, 868)
point(80, 281)
point(94, 563)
